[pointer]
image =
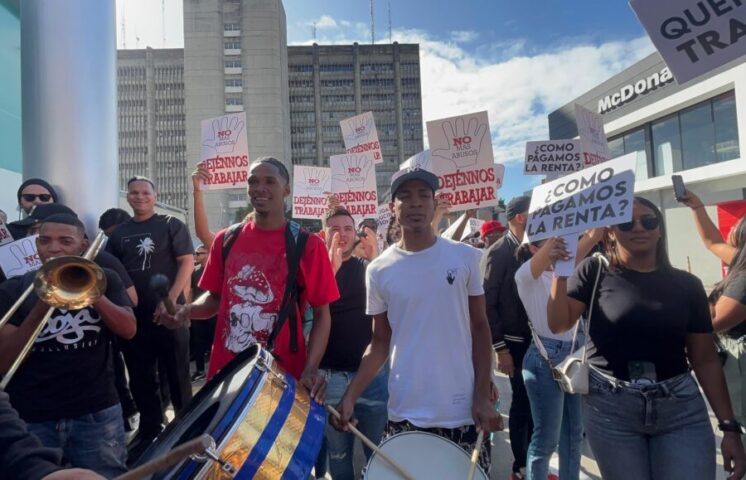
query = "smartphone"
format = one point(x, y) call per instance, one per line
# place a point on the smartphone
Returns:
point(679, 190)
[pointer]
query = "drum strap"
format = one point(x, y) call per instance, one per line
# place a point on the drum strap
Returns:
point(295, 244)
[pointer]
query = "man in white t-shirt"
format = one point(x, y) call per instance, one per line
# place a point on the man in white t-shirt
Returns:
point(426, 298)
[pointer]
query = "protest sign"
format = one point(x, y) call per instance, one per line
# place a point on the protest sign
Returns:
point(421, 160)
point(594, 197)
point(5, 236)
point(360, 135)
point(499, 174)
point(553, 157)
point(474, 225)
point(311, 185)
point(592, 137)
point(19, 257)
point(354, 182)
point(225, 151)
point(462, 158)
point(694, 36)
point(382, 224)
point(451, 230)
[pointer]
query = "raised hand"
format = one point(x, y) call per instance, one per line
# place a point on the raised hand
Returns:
point(464, 142)
point(225, 132)
point(200, 176)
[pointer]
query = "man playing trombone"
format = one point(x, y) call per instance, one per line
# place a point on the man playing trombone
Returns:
point(65, 388)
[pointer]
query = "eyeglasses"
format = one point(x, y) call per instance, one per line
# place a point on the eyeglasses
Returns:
point(30, 197)
point(648, 223)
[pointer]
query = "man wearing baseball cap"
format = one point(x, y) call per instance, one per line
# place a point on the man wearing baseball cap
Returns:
point(443, 330)
point(490, 232)
point(509, 325)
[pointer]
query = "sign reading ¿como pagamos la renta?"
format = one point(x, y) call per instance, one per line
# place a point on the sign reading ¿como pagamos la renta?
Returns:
point(553, 157)
point(598, 196)
point(694, 36)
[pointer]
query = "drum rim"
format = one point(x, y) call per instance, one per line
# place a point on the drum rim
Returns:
point(253, 351)
point(420, 432)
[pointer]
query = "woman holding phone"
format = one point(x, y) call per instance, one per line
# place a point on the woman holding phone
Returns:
point(728, 298)
point(644, 415)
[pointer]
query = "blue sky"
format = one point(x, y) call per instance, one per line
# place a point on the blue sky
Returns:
point(517, 59)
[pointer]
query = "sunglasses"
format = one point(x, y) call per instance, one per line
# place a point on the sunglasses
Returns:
point(30, 197)
point(648, 223)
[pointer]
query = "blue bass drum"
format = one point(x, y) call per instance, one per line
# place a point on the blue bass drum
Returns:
point(264, 423)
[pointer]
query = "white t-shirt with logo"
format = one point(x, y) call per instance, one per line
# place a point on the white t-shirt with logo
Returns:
point(426, 297)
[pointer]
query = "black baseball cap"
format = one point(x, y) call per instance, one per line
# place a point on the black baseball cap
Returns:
point(517, 205)
point(41, 212)
point(413, 173)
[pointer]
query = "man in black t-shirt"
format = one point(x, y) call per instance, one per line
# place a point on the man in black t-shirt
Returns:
point(150, 244)
point(65, 388)
point(349, 336)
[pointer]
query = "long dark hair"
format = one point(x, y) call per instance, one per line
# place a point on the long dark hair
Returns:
point(611, 249)
point(738, 265)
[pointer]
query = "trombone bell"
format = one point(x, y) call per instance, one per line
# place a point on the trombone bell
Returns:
point(70, 282)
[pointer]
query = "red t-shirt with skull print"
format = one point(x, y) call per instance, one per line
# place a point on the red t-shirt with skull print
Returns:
point(251, 286)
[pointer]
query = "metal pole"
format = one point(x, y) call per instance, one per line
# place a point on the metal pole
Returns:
point(69, 101)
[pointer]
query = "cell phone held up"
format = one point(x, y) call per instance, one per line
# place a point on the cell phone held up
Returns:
point(679, 190)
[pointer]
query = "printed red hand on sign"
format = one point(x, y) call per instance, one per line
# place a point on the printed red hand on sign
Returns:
point(225, 134)
point(356, 169)
point(464, 142)
point(25, 257)
point(316, 179)
point(359, 129)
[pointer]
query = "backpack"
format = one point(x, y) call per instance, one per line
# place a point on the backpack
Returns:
point(295, 244)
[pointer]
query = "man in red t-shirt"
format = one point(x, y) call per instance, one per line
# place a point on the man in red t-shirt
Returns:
point(246, 292)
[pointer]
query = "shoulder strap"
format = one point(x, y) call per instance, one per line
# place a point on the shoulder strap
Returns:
point(229, 238)
point(295, 244)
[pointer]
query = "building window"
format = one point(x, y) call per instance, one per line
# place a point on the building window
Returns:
point(231, 27)
point(704, 134)
point(232, 45)
point(233, 101)
point(233, 82)
point(232, 64)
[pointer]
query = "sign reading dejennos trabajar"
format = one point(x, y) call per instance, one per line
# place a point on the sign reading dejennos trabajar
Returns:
point(694, 36)
point(598, 196)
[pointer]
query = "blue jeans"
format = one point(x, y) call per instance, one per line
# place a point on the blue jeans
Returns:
point(94, 441)
point(370, 411)
point(557, 415)
point(649, 432)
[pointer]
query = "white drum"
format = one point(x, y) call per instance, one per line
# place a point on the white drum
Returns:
point(423, 455)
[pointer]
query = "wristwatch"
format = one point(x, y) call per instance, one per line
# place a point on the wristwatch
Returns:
point(731, 426)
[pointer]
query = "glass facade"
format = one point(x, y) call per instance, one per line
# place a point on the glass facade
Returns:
point(703, 134)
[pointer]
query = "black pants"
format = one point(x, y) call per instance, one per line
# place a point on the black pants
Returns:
point(152, 345)
point(520, 424)
point(201, 333)
point(120, 380)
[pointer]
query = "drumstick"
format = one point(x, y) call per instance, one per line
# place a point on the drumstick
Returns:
point(403, 473)
point(475, 456)
point(182, 452)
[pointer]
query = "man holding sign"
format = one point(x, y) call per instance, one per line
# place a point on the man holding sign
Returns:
point(448, 334)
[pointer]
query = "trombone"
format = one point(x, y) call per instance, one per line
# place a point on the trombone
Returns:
point(70, 283)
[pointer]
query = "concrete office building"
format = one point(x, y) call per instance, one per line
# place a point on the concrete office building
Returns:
point(696, 130)
point(235, 59)
point(150, 86)
point(334, 82)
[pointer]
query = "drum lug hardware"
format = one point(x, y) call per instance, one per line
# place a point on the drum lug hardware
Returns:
point(211, 454)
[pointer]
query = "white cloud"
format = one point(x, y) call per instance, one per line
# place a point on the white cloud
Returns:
point(518, 89)
point(464, 36)
point(325, 22)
